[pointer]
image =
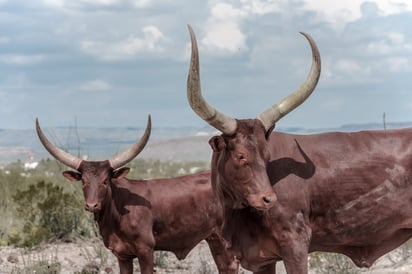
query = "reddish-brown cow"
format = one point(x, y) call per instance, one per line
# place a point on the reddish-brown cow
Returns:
point(348, 193)
point(136, 217)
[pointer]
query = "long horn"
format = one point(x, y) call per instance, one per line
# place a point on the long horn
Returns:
point(60, 155)
point(131, 152)
point(216, 119)
point(270, 116)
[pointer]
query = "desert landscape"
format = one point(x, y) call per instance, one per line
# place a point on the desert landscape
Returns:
point(92, 257)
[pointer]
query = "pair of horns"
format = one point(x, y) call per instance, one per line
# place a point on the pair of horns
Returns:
point(115, 161)
point(218, 120)
point(269, 117)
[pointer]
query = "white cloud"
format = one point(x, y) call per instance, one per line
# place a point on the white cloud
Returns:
point(223, 30)
point(95, 85)
point(127, 48)
point(396, 37)
point(336, 12)
point(100, 2)
point(80, 4)
point(224, 11)
point(63, 3)
point(389, 7)
point(141, 3)
point(390, 43)
point(19, 59)
point(356, 71)
point(261, 6)
point(397, 64)
point(54, 3)
point(225, 36)
point(339, 13)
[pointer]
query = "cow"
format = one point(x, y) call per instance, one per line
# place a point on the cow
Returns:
point(287, 195)
point(136, 217)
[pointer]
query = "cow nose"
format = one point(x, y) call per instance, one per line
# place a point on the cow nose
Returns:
point(92, 207)
point(269, 199)
point(262, 201)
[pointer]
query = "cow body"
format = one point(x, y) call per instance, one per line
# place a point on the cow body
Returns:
point(287, 195)
point(348, 193)
point(141, 216)
point(137, 217)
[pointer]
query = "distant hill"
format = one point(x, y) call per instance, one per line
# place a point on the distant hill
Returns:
point(176, 144)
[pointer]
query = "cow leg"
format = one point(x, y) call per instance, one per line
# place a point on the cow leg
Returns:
point(296, 262)
point(295, 254)
point(125, 266)
point(146, 261)
point(225, 260)
point(293, 235)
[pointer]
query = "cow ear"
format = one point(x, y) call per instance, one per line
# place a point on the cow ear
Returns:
point(217, 143)
point(121, 172)
point(72, 175)
point(269, 131)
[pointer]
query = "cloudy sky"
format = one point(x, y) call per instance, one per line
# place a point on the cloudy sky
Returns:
point(109, 63)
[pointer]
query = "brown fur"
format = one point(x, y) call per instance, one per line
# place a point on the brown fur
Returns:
point(136, 217)
point(349, 193)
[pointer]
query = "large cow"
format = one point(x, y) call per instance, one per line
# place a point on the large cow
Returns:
point(136, 217)
point(287, 195)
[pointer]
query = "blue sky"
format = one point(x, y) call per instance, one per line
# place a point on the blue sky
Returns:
point(109, 63)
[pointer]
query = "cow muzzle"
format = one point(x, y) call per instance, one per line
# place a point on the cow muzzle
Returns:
point(262, 201)
point(92, 207)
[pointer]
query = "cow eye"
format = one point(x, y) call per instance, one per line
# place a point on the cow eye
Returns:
point(241, 158)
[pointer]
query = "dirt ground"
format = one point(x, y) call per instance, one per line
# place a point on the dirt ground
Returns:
point(93, 257)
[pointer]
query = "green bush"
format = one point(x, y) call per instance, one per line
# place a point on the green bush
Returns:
point(49, 213)
point(146, 169)
point(41, 205)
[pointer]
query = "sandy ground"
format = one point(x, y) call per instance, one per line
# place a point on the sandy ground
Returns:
point(93, 257)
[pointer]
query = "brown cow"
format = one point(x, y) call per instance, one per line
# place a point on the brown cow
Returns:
point(349, 193)
point(136, 217)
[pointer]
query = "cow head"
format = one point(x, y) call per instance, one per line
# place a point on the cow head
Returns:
point(240, 154)
point(96, 176)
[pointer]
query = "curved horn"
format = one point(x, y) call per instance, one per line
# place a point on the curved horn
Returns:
point(216, 119)
point(270, 116)
point(127, 155)
point(60, 155)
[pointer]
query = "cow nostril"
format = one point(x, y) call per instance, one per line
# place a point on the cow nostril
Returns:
point(266, 199)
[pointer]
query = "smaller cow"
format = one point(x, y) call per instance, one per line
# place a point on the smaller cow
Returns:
point(136, 217)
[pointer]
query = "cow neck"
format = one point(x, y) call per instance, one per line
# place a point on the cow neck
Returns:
point(240, 224)
point(108, 217)
point(109, 212)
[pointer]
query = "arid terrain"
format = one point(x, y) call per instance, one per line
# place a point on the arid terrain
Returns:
point(93, 257)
